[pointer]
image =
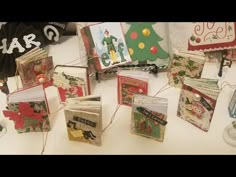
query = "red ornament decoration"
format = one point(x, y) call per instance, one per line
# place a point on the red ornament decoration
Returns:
point(198, 40)
point(134, 35)
point(153, 49)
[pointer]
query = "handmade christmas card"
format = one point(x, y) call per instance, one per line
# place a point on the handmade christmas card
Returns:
point(130, 83)
point(84, 119)
point(105, 45)
point(184, 65)
point(148, 117)
point(29, 110)
point(71, 81)
point(147, 42)
point(197, 101)
point(35, 67)
point(212, 36)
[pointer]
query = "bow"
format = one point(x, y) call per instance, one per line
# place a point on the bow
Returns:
point(24, 111)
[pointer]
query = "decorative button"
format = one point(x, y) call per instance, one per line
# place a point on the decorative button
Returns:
point(153, 49)
point(141, 45)
point(131, 51)
point(197, 97)
point(146, 32)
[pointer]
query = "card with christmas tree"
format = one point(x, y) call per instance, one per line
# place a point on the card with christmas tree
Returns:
point(131, 83)
point(148, 117)
point(84, 119)
point(185, 65)
point(71, 81)
point(35, 67)
point(197, 101)
point(147, 42)
point(105, 45)
point(29, 110)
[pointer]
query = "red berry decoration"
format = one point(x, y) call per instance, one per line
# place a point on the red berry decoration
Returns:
point(153, 49)
point(198, 40)
point(227, 63)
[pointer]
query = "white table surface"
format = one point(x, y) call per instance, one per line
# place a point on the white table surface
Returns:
point(180, 136)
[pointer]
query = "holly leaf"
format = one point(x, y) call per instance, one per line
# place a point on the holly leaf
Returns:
point(214, 36)
point(181, 73)
point(188, 67)
point(176, 80)
point(191, 63)
point(177, 64)
point(194, 67)
point(177, 57)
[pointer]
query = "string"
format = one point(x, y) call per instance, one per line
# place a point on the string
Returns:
point(162, 89)
point(51, 118)
point(226, 84)
point(112, 118)
point(83, 57)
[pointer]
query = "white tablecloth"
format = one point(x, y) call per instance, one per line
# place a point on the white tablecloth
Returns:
point(180, 136)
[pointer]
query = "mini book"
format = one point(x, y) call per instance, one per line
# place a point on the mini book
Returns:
point(71, 81)
point(105, 45)
point(29, 110)
point(185, 64)
point(197, 101)
point(232, 106)
point(35, 67)
point(148, 117)
point(84, 119)
point(131, 83)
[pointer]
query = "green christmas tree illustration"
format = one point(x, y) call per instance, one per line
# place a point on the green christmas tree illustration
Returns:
point(143, 42)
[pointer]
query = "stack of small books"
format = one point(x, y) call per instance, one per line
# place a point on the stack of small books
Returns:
point(148, 117)
point(35, 67)
point(197, 101)
point(71, 81)
point(29, 110)
point(84, 119)
point(185, 65)
point(131, 83)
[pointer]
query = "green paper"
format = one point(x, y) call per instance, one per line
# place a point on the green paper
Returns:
point(153, 39)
